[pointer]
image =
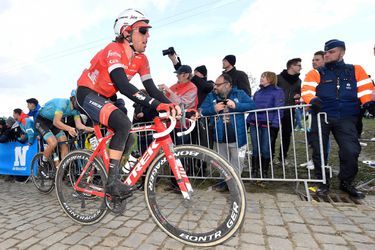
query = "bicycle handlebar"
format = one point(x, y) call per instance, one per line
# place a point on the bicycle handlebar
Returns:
point(188, 131)
point(172, 126)
point(169, 129)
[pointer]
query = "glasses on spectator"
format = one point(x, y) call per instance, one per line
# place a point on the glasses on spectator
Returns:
point(143, 30)
point(220, 83)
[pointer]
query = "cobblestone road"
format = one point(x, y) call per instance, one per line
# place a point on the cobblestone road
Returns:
point(29, 220)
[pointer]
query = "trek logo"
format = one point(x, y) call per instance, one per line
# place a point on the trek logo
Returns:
point(20, 156)
point(95, 104)
point(138, 167)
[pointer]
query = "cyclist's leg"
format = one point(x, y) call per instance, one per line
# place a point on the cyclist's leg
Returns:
point(44, 126)
point(52, 143)
point(121, 124)
point(64, 149)
point(102, 111)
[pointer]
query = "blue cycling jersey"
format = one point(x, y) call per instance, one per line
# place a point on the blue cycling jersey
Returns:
point(58, 105)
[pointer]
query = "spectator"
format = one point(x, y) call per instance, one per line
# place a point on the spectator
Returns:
point(230, 130)
point(318, 59)
point(268, 96)
point(8, 133)
point(33, 106)
point(183, 93)
point(3, 128)
point(239, 78)
point(204, 86)
point(345, 86)
point(317, 62)
point(27, 126)
point(289, 81)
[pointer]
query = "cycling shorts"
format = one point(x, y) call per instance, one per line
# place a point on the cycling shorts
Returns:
point(96, 106)
point(46, 128)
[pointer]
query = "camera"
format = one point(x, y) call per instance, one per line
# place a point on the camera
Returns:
point(169, 51)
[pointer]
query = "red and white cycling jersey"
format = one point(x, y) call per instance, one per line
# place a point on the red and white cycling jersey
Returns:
point(111, 57)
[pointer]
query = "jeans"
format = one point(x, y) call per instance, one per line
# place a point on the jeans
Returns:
point(230, 151)
point(263, 141)
point(298, 115)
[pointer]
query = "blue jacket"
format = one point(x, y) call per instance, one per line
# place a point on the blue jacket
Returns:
point(267, 97)
point(243, 103)
point(28, 129)
point(34, 113)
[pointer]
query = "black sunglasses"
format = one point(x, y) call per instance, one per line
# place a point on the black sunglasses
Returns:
point(143, 30)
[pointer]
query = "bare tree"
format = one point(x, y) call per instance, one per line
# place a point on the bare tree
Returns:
point(253, 82)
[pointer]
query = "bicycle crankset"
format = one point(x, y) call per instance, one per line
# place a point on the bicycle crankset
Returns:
point(116, 204)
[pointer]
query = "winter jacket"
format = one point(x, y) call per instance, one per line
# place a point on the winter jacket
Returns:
point(243, 103)
point(267, 97)
point(240, 80)
point(341, 87)
point(34, 113)
point(291, 84)
point(27, 126)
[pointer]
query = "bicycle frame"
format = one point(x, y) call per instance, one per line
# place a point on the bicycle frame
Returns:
point(164, 142)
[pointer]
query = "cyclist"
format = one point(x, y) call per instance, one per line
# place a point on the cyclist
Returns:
point(49, 124)
point(111, 70)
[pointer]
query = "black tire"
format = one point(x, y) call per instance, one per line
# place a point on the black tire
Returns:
point(209, 218)
point(81, 207)
point(44, 180)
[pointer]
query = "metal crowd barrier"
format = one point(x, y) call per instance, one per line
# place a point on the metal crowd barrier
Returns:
point(293, 168)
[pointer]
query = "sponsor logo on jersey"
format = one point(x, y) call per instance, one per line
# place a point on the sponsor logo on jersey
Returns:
point(113, 53)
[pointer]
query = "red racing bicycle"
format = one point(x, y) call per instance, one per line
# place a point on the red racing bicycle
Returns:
point(194, 213)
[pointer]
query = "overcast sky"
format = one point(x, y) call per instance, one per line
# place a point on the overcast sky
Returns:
point(45, 44)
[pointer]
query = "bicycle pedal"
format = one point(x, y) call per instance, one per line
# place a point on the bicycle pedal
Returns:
point(116, 204)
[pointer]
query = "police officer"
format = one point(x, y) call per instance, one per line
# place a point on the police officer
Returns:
point(338, 89)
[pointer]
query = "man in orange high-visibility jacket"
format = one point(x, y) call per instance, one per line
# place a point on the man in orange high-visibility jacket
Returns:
point(338, 89)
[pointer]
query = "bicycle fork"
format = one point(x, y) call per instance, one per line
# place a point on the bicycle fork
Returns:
point(178, 172)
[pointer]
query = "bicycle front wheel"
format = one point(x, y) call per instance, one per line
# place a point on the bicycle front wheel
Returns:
point(42, 174)
point(209, 217)
point(82, 207)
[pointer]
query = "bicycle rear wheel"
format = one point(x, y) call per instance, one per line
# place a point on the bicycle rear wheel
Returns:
point(209, 218)
point(42, 176)
point(82, 207)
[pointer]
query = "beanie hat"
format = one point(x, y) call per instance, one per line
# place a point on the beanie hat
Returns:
point(333, 44)
point(10, 121)
point(202, 69)
point(231, 59)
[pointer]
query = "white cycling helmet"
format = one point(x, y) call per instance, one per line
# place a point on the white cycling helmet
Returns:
point(127, 18)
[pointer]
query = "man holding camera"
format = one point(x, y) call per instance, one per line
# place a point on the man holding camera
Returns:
point(230, 129)
point(200, 75)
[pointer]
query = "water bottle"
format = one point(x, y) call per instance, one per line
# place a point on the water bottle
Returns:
point(132, 160)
